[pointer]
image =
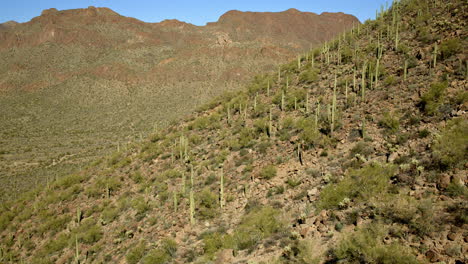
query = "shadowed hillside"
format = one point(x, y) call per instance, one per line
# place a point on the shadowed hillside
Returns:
point(76, 84)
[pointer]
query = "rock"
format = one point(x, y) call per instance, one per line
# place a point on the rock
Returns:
point(393, 156)
point(444, 181)
point(452, 236)
point(225, 256)
point(432, 255)
point(304, 232)
point(312, 194)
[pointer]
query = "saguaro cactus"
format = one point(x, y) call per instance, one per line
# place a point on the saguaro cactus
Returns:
point(221, 189)
point(363, 80)
point(282, 100)
point(192, 208)
point(333, 108)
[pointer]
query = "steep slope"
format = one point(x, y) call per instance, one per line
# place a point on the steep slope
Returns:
point(354, 153)
point(76, 83)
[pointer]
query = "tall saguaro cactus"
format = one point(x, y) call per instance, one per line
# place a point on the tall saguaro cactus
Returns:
point(333, 108)
point(221, 189)
point(192, 208)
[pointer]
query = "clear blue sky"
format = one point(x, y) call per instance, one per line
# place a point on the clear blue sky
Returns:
point(197, 12)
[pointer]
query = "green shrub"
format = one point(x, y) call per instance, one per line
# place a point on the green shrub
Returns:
point(141, 207)
point(156, 256)
point(268, 172)
point(5, 219)
point(68, 181)
point(431, 100)
point(390, 121)
point(309, 76)
point(55, 245)
point(135, 253)
point(214, 241)
point(362, 148)
point(450, 47)
point(110, 214)
point(257, 225)
point(360, 185)
point(366, 246)
point(390, 80)
point(208, 204)
point(88, 232)
point(451, 150)
point(455, 189)
point(169, 246)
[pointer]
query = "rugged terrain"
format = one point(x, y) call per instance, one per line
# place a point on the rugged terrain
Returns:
point(75, 84)
point(354, 153)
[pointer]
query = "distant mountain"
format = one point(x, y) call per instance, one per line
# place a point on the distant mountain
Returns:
point(76, 83)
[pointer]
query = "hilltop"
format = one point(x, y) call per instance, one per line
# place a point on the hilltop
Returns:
point(355, 152)
point(76, 84)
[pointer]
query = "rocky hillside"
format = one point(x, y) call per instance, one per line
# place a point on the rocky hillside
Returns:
point(353, 153)
point(76, 83)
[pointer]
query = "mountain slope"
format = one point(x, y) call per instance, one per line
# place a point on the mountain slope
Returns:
point(354, 153)
point(76, 84)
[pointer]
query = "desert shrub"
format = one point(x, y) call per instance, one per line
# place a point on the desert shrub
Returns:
point(366, 246)
point(259, 83)
point(140, 206)
point(455, 189)
point(309, 76)
point(156, 256)
point(208, 204)
point(261, 126)
point(257, 225)
point(268, 172)
point(54, 224)
point(67, 181)
point(450, 47)
point(451, 149)
point(110, 214)
point(171, 174)
point(135, 253)
point(169, 246)
point(5, 219)
point(88, 232)
point(360, 185)
point(246, 137)
point(390, 121)
point(293, 182)
point(433, 98)
point(214, 241)
point(362, 148)
point(390, 80)
point(55, 245)
point(424, 133)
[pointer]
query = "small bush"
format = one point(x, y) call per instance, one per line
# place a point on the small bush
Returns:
point(450, 47)
point(208, 204)
point(135, 254)
point(366, 246)
point(308, 76)
point(431, 100)
point(451, 150)
point(156, 256)
point(362, 148)
point(390, 80)
point(390, 121)
point(257, 225)
point(360, 185)
point(455, 189)
point(268, 172)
